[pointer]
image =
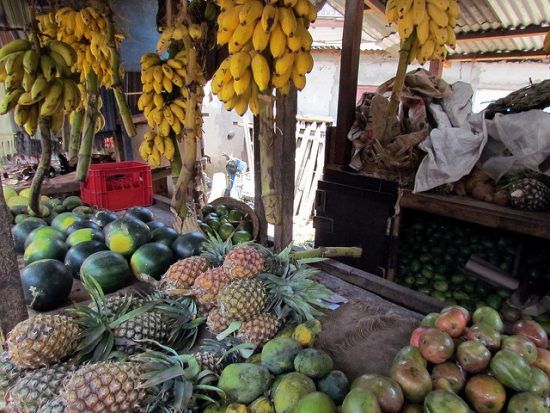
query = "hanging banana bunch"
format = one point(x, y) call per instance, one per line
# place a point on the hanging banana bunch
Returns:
point(431, 23)
point(269, 46)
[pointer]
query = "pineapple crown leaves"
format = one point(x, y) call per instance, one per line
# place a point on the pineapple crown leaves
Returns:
point(215, 249)
point(229, 349)
point(177, 379)
point(293, 295)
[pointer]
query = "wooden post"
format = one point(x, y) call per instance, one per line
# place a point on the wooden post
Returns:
point(12, 304)
point(436, 68)
point(285, 154)
point(349, 73)
point(258, 202)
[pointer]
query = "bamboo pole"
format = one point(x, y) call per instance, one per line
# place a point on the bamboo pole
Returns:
point(399, 78)
point(76, 134)
point(328, 252)
point(44, 124)
point(118, 90)
point(270, 195)
point(88, 132)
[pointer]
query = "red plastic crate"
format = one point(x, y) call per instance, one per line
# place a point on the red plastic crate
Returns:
point(116, 186)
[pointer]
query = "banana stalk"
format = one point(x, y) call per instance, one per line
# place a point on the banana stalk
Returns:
point(176, 165)
point(118, 90)
point(65, 133)
point(183, 191)
point(328, 252)
point(399, 77)
point(44, 124)
point(270, 196)
point(76, 132)
point(88, 132)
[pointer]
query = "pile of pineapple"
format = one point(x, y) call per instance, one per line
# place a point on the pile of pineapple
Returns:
point(127, 352)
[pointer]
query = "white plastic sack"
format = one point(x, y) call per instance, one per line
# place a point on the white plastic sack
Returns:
point(458, 106)
point(524, 136)
point(451, 154)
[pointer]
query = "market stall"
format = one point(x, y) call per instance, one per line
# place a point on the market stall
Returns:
point(137, 309)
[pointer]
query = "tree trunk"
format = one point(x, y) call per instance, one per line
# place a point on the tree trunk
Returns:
point(12, 303)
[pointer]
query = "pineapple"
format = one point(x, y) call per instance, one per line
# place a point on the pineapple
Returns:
point(208, 360)
point(8, 374)
point(114, 303)
point(33, 390)
point(113, 387)
point(183, 273)
point(529, 194)
point(242, 299)
point(259, 330)
point(215, 322)
point(55, 405)
point(147, 326)
point(43, 340)
point(244, 262)
point(208, 285)
point(214, 355)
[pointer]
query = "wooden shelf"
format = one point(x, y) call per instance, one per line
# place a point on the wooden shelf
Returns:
point(535, 224)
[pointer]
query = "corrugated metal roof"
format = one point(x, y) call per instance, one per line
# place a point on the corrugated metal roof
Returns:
point(476, 16)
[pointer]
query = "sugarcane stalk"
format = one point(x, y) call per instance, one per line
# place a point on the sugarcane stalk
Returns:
point(328, 252)
point(399, 78)
point(76, 134)
point(44, 125)
point(270, 195)
point(118, 90)
point(88, 131)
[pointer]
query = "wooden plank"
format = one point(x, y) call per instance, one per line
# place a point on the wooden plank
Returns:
point(535, 224)
point(258, 202)
point(495, 56)
point(376, 5)
point(351, 50)
point(248, 144)
point(285, 150)
point(307, 205)
point(389, 290)
point(532, 30)
point(310, 169)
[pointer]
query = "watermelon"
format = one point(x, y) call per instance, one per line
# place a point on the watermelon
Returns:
point(152, 259)
point(46, 284)
point(43, 248)
point(44, 233)
point(166, 235)
point(109, 269)
point(43, 208)
point(71, 202)
point(141, 213)
point(83, 223)
point(85, 234)
point(102, 218)
point(125, 235)
point(77, 254)
point(20, 218)
point(64, 220)
point(21, 231)
point(188, 244)
point(153, 225)
point(17, 204)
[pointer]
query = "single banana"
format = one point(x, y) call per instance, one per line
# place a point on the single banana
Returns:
point(168, 71)
point(39, 87)
point(17, 45)
point(284, 63)
point(48, 67)
point(168, 115)
point(159, 143)
point(437, 15)
point(227, 92)
point(71, 96)
point(21, 114)
point(405, 26)
point(242, 35)
point(253, 102)
point(169, 148)
point(167, 84)
point(164, 127)
point(277, 41)
point(260, 38)
point(250, 12)
point(9, 100)
point(298, 79)
point(61, 66)
point(242, 83)
point(239, 63)
point(419, 11)
point(423, 30)
point(177, 111)
point(270, 17)
point(28, 81)
point(14, 62)
point(30, 61)
point(158, 100)
point(287, 21)
point(64, 50)
point(260, 71)
point(303, 62)
point(53, 98)
point(149, 60)
point(302, 8)
point(443, 5)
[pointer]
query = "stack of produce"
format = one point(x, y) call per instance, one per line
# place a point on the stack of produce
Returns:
point(226, 223)
point(172, 92)
point(37, 79)
point(429, 24)
point(269, 46)
point(433, 254)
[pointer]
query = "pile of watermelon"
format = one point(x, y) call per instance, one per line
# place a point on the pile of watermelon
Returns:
point(113, 250)
point(457, 364)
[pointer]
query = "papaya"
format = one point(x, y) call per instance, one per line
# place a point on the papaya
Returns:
point(360, 401)
point(335, 385)
point(290, 389)
point(261, 405)
point(315, 402)
point(440, 401)
point(313, 363)
point(279, 353)
point(512, 370)
point(244, 382)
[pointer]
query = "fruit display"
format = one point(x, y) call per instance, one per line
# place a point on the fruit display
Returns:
point(529, 194)
point(38, 82)
point(434, 251)
point(269, 47)
point(226, 223)
point(429, 24)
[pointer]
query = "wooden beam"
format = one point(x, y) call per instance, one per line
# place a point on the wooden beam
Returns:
point(376, 5)
point(349, 68)
point(495, 56)
point(502, 33)
point(436, 68)
point(285, 154)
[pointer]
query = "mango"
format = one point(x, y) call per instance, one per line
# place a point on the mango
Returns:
point(261, 405)
point(291, 388)
point(387, 391)
point(361, 401)
point(244, 382)
point(313, 363)
point(9, 192)
point(307, 332)
point(278, 354)
point(315, 402)
point(236, 408)
point(335, 385)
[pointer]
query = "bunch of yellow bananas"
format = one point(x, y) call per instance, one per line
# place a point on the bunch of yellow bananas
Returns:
point(431, 22)
point(154, 146)
point(85, 31)
point(38, 83)
point(269, 45)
